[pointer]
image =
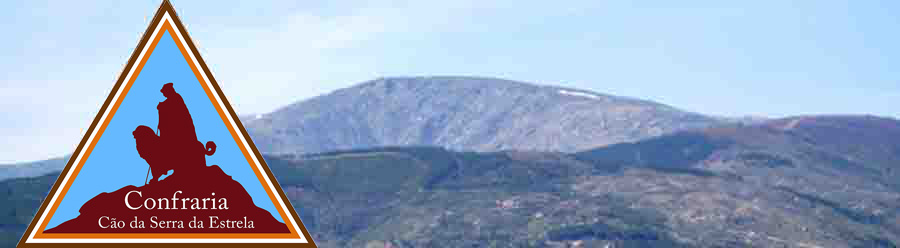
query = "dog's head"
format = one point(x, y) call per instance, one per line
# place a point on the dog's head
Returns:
point(143, 133)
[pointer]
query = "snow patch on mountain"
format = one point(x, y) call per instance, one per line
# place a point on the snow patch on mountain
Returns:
point(576, 93)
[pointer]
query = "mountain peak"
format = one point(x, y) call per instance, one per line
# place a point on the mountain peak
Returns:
point(468, 83)
point(465, 113)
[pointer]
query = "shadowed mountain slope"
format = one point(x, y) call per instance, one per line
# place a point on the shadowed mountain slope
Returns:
point(780, 183)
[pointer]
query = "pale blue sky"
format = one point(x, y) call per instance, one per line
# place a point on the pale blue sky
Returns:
point(769, 58)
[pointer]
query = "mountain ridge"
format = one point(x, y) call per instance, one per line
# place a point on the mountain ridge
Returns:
point(465, 113)
point(696, 181)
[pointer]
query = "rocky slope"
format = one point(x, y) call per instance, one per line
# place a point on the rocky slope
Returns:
point(230, 209)
point(795, 182)
point(464, 113)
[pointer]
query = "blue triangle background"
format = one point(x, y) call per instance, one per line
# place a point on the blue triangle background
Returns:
point(115, 163)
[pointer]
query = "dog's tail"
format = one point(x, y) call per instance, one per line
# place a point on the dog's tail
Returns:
point(210, 148)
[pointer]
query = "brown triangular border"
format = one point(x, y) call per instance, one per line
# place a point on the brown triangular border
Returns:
point(165, 7)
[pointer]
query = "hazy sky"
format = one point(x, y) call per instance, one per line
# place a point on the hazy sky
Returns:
point(770, 58)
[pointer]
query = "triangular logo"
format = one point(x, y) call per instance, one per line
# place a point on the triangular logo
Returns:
point(166, 161)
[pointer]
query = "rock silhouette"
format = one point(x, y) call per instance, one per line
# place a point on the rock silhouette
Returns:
point(214, 180)
point(193, 194)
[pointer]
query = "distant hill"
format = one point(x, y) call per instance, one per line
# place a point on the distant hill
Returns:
point(817, 181)
point(467, 114)
point(32, 169)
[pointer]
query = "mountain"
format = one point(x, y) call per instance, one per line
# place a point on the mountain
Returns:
point(464, 113)
point(817, 181)
point(459, 113)
point(814, 181)
point(32, 169)
point(21, 199)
